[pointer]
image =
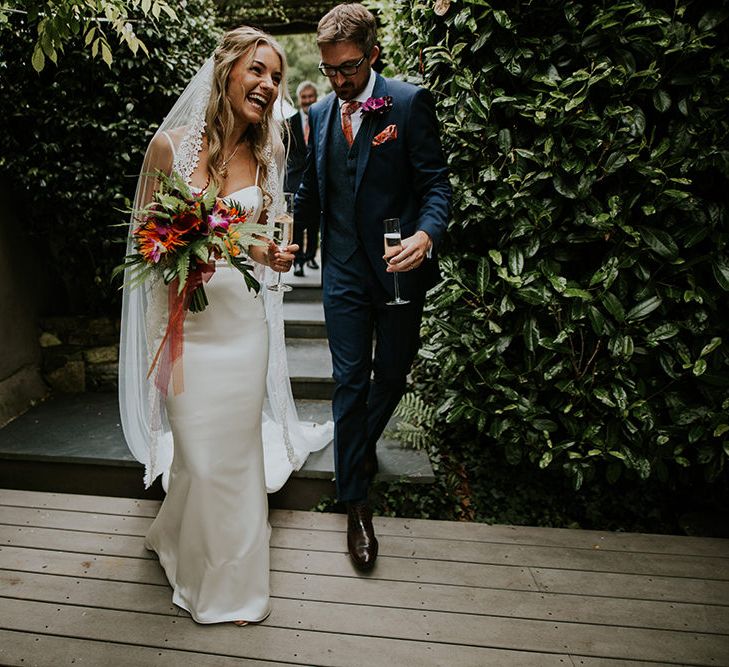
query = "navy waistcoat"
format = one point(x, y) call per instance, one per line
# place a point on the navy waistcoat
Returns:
point(341, 231)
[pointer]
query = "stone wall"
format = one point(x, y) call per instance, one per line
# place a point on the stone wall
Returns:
point(80, 353)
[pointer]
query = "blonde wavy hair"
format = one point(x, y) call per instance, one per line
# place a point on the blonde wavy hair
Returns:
point(241, 43)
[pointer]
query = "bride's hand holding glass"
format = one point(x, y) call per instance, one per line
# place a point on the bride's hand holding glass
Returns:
point(283, 231)
point(281, 260)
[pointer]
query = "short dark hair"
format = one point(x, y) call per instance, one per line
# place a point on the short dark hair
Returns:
point(349, 22)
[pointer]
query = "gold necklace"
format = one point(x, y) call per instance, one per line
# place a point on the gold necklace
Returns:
point(224, 165)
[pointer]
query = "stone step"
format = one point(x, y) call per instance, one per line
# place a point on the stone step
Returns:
point(311, 278)
point(304, 294)
point(310, 368)
point(73, 443)
point(395, 461)
point(304, 320)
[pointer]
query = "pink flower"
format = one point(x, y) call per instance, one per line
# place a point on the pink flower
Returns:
point(218, 220)
point(158, 249)
point(376, 105)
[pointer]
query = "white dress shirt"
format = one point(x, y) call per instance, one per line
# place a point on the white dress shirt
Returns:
point(304, 120)
point(356, 117)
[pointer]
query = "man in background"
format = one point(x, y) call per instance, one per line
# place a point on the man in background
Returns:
point(306, 94)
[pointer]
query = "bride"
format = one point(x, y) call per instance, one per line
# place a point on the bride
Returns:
point(218, 444)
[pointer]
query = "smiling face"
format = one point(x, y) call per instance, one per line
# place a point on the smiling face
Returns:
point(307, 97)
point(336, 54)
point(253, 84)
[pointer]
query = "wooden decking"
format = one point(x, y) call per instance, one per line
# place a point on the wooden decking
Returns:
point(78, 587)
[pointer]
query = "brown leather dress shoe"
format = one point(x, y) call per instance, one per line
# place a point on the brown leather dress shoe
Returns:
point(361, 540)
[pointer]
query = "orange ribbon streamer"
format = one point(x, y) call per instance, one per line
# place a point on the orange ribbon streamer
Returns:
point(169, 352)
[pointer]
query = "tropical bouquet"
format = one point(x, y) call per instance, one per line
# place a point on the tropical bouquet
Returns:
point(179, 236)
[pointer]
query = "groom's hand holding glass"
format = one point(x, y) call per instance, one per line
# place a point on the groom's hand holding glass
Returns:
point(415, 249)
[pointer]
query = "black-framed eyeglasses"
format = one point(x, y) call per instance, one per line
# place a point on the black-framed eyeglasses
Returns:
point(348, 69)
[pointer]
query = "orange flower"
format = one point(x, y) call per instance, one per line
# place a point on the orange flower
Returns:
point(154, 240)
point(231, 242)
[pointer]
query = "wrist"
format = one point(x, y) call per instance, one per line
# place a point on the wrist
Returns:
point(428, 239)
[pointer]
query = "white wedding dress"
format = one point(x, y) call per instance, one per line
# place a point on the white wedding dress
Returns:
point(218, 449)
point(212, 532)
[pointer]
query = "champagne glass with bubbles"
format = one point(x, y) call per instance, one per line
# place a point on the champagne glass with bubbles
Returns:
point(283, 230)
point(393, 246)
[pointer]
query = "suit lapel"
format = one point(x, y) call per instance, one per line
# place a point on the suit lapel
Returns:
point(297, 130)
point(368, 127)
point(322, 132)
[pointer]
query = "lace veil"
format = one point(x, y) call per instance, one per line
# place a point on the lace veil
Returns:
point(286, 440)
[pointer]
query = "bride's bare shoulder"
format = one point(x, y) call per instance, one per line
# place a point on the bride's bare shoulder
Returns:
point(163, 147)
point(168, 139)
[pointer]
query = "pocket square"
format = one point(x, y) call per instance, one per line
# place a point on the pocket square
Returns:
point(388, 134)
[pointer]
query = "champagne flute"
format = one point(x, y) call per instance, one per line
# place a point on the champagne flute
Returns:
point(393, 246)
point(283, 229)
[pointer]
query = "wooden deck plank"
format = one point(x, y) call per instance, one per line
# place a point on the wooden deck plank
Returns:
point(494, 577)
point(573, 608)
point(587, 661)
point(79, 502)
point(458, 629)
point(74, 541)
point(42, 650)
point(507, 604)
point(510, 596)
point(395, 569)
point(420, 548)
point(525, 535)
point(65, 519)
point(515, 555)
point(129, 596)
point(259, 642)
point(82, 565)
point(634, 586)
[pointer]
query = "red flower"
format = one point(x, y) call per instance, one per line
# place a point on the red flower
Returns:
point(188, 223)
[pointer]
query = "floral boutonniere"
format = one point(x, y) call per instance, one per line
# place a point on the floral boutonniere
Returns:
point(376, 106)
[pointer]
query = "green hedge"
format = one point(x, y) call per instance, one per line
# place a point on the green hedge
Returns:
point(582, 321)
point(72, 145)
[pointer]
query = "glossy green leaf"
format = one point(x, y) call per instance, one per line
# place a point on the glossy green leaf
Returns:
point(483, 275)
point(660, 242)
point(720, 269)
point(661, 100)
point(710, 347)
point(663, 332)
point(643, 309)
point(613, 306)
point(531, 334)
point(516, 261)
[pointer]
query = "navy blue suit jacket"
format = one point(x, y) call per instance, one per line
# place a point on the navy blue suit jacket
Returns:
point(296, 153)
point(405, 178)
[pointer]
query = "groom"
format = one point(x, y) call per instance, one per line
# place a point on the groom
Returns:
point(373, 153)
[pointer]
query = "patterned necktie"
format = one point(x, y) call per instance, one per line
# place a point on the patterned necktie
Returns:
point(306, 128)
point(348, 108)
